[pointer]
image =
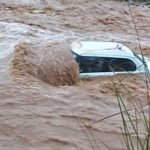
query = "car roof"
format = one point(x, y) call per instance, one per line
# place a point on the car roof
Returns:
point(96, 48)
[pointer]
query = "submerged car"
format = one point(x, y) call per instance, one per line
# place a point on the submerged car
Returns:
point(107, 58)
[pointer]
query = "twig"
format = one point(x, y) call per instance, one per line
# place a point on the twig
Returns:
point(110, 116)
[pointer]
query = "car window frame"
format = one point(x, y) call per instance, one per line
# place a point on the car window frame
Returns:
point(104, 57)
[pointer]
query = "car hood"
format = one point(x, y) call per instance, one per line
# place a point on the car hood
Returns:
point(146, 60)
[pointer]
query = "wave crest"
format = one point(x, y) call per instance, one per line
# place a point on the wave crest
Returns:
point(50, 62)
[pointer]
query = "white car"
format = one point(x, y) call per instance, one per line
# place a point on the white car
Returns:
point(107, 58)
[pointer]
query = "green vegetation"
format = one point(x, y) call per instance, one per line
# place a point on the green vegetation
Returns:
point(136, 121)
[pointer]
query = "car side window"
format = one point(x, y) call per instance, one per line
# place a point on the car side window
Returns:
point(93, 64)
point(121, 64)
point(85, 64)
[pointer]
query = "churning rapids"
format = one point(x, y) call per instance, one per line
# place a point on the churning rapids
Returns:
point(43, 105)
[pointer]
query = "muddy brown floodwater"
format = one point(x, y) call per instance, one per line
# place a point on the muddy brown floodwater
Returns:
point(34, 37)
